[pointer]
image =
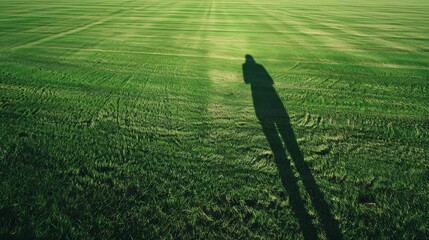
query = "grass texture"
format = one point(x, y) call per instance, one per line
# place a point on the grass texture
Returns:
point(143, 119)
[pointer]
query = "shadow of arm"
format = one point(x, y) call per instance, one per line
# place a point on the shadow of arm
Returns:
point(246, 76)
point(266, 75)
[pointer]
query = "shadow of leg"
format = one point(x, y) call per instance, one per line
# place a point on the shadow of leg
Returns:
point(329, 223)
point(289, 181)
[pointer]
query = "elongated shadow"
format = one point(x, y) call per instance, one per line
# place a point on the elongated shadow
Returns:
point(276, 126)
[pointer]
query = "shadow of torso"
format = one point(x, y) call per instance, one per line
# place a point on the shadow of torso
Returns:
point(267, 103)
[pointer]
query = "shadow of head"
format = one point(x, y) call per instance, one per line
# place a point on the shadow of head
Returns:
point(249, 58)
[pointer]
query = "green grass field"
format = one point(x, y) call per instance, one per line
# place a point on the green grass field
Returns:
point(141, 119)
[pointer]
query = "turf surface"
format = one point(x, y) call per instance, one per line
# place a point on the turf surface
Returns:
point(143, 119)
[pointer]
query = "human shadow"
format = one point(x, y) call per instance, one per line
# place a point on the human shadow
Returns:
point(276, 126)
